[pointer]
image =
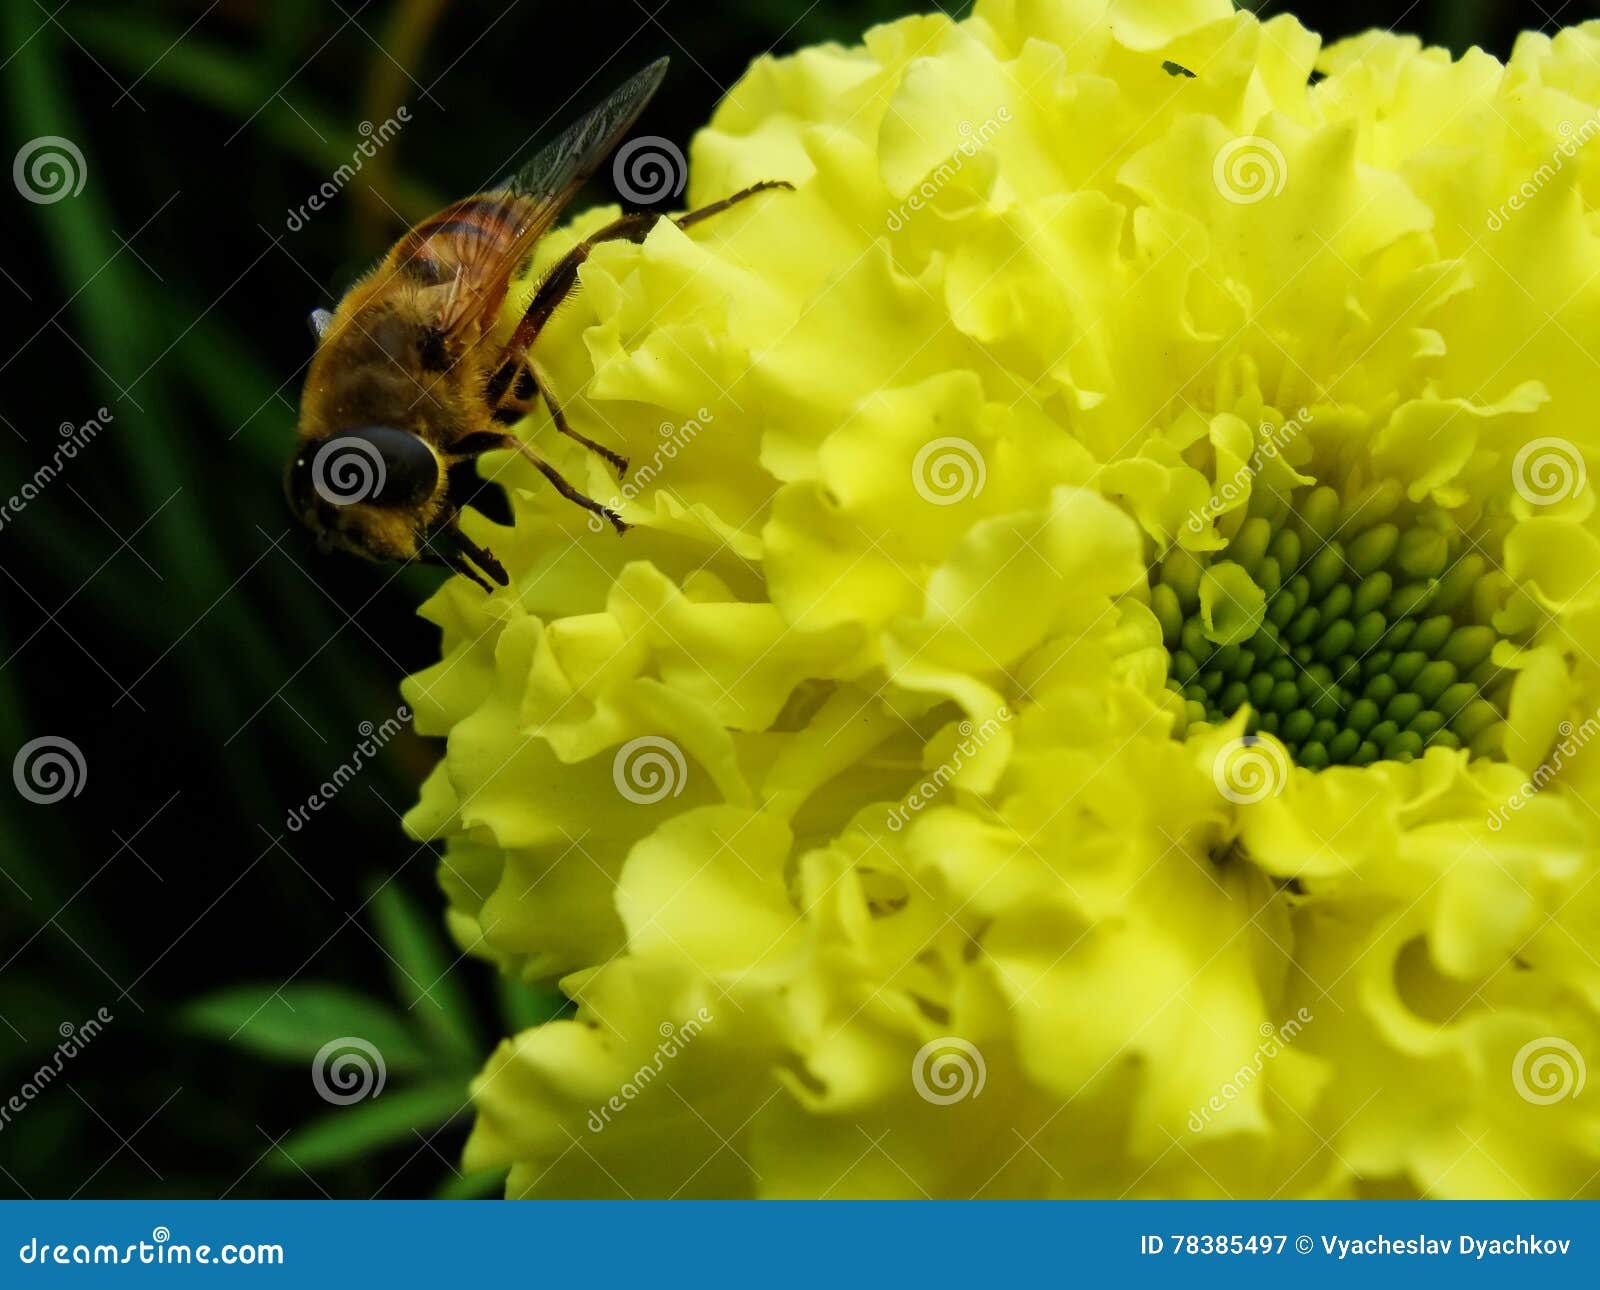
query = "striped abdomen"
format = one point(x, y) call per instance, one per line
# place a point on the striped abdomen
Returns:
point(468, 240)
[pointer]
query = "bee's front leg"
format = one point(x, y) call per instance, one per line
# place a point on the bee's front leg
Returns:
point(450, 547)
point(474, 445)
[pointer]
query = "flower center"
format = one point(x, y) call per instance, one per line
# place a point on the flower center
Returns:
point(1355, 629)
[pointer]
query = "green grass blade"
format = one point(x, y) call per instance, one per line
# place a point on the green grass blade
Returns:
point(292, 1023)
point(426, 973)
point(350, 1132)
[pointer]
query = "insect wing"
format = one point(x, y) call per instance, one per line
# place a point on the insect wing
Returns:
point(565, 162)
point(528, 202)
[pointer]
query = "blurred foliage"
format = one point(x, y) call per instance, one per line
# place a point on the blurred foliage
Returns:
point(163, 614)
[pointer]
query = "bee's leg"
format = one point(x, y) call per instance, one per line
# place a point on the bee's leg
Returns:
point(478, 443)
point(516, 405)
point(562, 279)
point(518, 398)
point(569, 492)
point(453, 551)
point(559, 283)
point(560, 418)
point(458, 564)
point(554, 287)
point(716, 208)
point(479, 556)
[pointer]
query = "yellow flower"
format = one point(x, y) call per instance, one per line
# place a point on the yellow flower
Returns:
point(1094, 702)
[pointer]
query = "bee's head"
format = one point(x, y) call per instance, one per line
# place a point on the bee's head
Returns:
point(372, 491)
point(383, 494)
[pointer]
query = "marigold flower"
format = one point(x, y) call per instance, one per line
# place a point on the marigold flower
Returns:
point(1095, 699)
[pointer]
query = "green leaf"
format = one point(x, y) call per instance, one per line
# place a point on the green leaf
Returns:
point(352, 1131)
point(210, 73)
point(38, 1006)
point(426, 974)
point(113, 320)
point(524, 1006)
point(475, 1186)
point(1462, 23)
point(291, 1023)
point(290, 30)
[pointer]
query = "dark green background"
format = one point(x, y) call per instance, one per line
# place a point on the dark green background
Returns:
point(163, 614)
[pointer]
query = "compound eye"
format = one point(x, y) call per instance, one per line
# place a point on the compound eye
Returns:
point(376, 465)
point(319, 321)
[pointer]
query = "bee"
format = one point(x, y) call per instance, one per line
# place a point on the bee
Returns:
point(411, 383)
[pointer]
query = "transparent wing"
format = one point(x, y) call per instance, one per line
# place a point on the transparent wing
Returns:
point(561, 166)
point(525, 205)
